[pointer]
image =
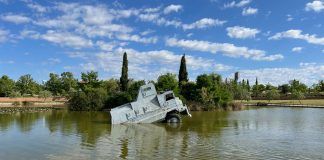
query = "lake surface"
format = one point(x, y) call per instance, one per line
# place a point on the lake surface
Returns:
point(263, 133)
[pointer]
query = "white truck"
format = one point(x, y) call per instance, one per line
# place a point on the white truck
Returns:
point(150, 107)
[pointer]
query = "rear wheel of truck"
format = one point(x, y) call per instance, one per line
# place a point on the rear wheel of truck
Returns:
point(173, 118)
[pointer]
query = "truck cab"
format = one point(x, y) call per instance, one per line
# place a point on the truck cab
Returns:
point(150, 107)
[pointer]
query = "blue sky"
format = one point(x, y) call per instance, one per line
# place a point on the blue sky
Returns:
point(273, 40)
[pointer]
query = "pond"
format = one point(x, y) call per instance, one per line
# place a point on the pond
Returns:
point(257, 133)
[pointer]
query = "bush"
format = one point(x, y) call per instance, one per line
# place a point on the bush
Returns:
point(118, 99)
point(92, 100)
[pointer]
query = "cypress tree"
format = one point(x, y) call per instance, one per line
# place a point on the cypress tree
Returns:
point(124, 74)
point(236, 77)
point(183, 74)
point(256, 87)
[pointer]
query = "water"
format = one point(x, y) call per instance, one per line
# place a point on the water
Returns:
point(265, 133)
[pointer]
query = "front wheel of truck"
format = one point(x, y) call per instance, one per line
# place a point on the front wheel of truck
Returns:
point(173, 118)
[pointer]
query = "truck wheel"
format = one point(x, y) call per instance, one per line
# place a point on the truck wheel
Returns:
point(173, 118)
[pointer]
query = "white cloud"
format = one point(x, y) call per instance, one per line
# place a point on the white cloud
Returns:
point(146, 32)
point(297, 34)
point(61, 38)
point(241, 32)
point(105, 46)
point(203, 23)
point(81, 55)
point(297, 49)
point(172, 8)
point(149, 16)
point(308, 73)
point(289, 17)
point(37, 7)
point(54, 60)
point(150, 64)
point(3, 35)
point(88, 66)
point(317, 6)
point(242, 3)
point(136, 38)
point(15, 18)
point(226, 48)
point(249, 11)
point(66, 39)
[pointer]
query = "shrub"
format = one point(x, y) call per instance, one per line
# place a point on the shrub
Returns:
point(92, 100)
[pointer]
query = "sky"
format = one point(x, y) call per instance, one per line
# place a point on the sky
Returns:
point(275, 40)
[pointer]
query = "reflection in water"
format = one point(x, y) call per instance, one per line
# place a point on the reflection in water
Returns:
point(266, 133)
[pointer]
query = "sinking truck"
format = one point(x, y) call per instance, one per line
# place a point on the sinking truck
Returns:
point(150, 107)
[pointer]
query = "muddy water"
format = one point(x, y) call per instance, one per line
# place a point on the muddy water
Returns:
point(264, 133)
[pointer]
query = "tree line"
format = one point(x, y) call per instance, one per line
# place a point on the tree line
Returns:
point(209, 90)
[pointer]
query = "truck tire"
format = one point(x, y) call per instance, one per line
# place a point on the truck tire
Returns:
point(173, 118)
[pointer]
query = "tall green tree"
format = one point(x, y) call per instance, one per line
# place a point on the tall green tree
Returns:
point(236, 77)
point(27, 85)
point(7, 86)
point(89, 81)
point(183, 74)
point(124, 74)
point(167, 82)
point(255, 88)
point(54, 84)
point(69, 83)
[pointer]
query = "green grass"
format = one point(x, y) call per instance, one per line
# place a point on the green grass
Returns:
point(319, 102)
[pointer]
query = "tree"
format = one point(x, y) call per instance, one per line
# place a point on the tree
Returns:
point(205, 80)
point(295, 85)
point(320, 86)
point(167, 82)
point(68, 82)
point(89, 81)
point(183, 74)
point(111, 86)
point(296, 94)
point(7, 86)
point(236, 77)
point(45, 94)
point(134, 87)
point(255, 88)
point(124, 74)
point(54, 84)
point(284, 89)
point(248, 87)
point(272, 94)
point(92, 100)
point(189, 91)
point(27, 85)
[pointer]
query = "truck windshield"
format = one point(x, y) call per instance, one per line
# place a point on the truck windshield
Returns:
point(169, 96)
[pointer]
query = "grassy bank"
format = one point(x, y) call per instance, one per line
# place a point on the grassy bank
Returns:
point(318, 102)
point(31, 102)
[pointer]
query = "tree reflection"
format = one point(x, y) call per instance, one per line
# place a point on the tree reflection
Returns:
point(89, 125)
point(6, 120)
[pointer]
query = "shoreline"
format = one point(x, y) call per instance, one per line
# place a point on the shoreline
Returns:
point(284, 105)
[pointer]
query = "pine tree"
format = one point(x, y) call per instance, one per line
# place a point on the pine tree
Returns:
point(256, 87)
point(236, 77)
point(183, 74)
point(124, 74)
